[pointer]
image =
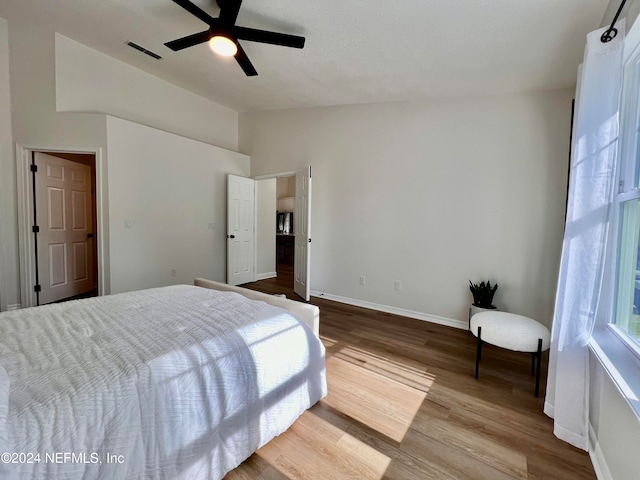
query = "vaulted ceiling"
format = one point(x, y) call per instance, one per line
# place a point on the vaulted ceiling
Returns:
point(356, 51)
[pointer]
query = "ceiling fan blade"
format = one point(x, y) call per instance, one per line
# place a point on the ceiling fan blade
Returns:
point(195, 10)
point(229, 11)
point(244, 62)
point(264, 36)
point(189, 41)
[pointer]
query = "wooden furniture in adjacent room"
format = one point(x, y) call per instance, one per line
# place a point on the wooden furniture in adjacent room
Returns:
point(285, 247)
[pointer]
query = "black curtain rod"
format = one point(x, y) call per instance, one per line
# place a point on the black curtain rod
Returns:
point(611, 32)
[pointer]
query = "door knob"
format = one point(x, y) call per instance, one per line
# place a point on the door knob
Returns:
point(89, 235)
point(231, 236)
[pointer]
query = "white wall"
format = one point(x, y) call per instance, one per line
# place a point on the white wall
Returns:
point(630, 12)
point(286, 187)
point(8, 259)
point(90, 81)
point(172, 190)
point(33, 94)
point(266, 228)
point(36, 83)
point(35, 123)
point(615, 434)
point(430, 194)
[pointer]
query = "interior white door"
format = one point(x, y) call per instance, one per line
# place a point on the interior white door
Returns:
point(240, 230)
point(63, 215)
point(302, 230)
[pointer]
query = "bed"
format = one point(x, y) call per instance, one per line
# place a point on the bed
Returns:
point(179, 382)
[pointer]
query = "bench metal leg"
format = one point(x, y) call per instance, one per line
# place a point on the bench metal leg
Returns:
point(533, 363)
point(538, 355)
point(478, 351)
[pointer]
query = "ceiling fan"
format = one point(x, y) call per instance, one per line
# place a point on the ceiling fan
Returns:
point(223, 34)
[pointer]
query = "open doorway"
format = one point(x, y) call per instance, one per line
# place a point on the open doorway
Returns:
point(283, 231)
point(285, 223)
point(275, 239)
point(58, 225)
point(275, 236)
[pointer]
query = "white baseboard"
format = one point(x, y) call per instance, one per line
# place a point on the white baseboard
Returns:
point(449, 322)
point(15, 306)
point(264, 276)
point(597, 457)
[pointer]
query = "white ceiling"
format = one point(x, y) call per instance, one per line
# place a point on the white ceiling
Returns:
point(356, 51)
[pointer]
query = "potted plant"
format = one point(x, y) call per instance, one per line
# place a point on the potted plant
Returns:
point(483, 293)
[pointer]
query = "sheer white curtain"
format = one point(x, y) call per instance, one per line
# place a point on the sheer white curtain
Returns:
point(592, 186)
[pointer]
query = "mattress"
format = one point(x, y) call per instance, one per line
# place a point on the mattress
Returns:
point(178, 382)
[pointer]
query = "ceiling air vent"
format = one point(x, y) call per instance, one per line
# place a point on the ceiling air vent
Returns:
point(144, 50)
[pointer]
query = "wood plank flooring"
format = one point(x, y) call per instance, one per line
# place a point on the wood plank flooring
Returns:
point(403, 404)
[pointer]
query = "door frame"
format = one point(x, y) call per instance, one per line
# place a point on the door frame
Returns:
point(289, 173)
point(26, 242)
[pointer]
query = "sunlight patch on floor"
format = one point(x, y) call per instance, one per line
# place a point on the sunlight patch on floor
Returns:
point(371, 398)
point(410, 376)
point(314, 445)
point(328, 342)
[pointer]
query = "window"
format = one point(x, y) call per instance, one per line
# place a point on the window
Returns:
point(626, 316)
point(615, 341)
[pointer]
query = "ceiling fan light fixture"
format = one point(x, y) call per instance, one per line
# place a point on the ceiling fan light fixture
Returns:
point(223, 46)
point(223, 35)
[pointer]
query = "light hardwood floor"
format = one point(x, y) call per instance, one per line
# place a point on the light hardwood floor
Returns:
point(403, 404)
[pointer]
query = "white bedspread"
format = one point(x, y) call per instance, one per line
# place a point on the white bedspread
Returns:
point(177, 382)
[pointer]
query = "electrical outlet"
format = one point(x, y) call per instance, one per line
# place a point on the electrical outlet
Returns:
point(362, 280)
point(397, 285)
point(173, 272)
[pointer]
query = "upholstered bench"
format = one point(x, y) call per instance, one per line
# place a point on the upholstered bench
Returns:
point(513, 332)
